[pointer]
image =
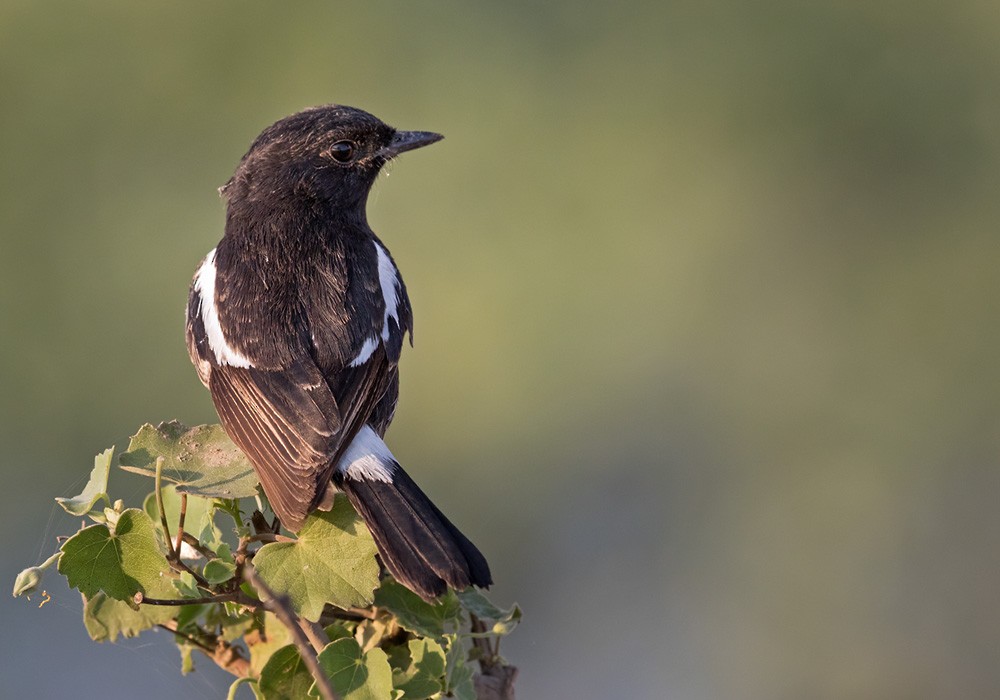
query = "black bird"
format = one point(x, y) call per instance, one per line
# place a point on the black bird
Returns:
point(295, 323)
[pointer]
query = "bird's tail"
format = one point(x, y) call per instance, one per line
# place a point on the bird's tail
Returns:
point(419, 545)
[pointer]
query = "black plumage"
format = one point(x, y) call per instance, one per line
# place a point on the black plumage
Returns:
point(296, 323)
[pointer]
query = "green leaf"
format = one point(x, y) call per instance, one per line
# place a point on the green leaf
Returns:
point(96, 488)
point(285, 676)
point(337, 631)
point(413, 613)
point(332, 561)
point(187, 660)
point(202, 460)
point(423, 675)
point(267, 641)
point(188, 616)
point(186, 586)
point(458, 675)
point(355, 676)
point(476, 602)
point(120, 564)
point(106, 619)
point(218, 571)
point(235, 627)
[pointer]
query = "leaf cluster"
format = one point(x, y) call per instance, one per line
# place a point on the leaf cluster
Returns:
point(199, 554)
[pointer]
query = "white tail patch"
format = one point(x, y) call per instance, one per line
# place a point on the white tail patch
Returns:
point(367, 458)
point(204, 284)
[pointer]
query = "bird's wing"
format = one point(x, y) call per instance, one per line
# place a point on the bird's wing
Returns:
point(292, 426)
point(288, 424)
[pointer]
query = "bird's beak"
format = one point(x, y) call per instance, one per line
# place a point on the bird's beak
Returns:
point(408, 140)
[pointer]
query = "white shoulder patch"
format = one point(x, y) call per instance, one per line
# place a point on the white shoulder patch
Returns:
point(204, 284)
point(388, 279)
point(367, 458)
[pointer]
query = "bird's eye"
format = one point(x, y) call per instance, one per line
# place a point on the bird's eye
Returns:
point(342, 151)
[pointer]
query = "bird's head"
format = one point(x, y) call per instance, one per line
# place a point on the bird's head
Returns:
point(331, 153)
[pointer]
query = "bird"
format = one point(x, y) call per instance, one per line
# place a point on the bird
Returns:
point(295, 324)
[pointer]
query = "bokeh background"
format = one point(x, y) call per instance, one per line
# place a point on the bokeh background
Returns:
point(706, 303)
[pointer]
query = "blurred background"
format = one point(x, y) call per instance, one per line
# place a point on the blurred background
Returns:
point(706, 303)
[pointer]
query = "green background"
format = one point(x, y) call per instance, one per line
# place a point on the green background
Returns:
point(706, 303)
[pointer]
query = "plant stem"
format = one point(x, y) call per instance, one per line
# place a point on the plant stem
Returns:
point(159, 506)
point(279, 606)
point(180, 524)
point(236, 597)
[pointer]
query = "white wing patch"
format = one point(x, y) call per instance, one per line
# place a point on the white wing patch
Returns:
point(204, 284)
point(367, 458)
point(388, 279)
point(366, 351)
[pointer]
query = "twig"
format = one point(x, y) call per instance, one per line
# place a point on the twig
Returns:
point(180, 524)
point(226, 656)
point(236, 597)
point(184, 635)
point(159, 506)
point(335, 613)
point(279, 606)
point(204, 551)
point(332, 614)
point(178, 565)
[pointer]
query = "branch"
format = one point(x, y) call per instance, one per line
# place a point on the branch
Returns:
point(236, 597)
point(316, 634)
point(488, 654)
point(279, 606)
point(226, 656)
point(184, 635)
point(204, 551)
point(269, 537)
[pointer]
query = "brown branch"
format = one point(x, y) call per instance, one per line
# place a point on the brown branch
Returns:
point(279, 606)
point(269, 537)
point(226, 656)
point(332, 614)
point(496, 683)
point(236, 597)
point(487, 654)
point(187, 637)
point(316, 634)
point(204, 551)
